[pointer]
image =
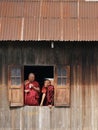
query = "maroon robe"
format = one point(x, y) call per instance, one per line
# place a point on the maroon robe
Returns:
point(49, 91)
point(32, 97)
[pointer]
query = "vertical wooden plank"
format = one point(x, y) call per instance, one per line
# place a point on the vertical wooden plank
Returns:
point(1, 64)
point(73, 99)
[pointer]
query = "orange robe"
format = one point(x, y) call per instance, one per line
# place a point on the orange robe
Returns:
point(32, 97)
point(49, 99)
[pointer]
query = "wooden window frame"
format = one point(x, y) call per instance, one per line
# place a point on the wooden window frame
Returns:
point(12, 88)
point(66, 88)
point(57, 88)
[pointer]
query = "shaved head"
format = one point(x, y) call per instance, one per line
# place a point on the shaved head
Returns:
point(47, 82)
point(31, 77)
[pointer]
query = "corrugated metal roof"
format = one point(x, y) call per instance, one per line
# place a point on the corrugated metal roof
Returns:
point(48, 20)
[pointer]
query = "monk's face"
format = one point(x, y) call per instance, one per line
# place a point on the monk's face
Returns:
point(47, 83)
point(31, 77)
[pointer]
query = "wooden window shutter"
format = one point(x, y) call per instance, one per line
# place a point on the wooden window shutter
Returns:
point(62, 85)
point(15, 86)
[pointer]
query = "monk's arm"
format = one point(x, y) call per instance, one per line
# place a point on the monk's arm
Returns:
point(37, 89)
point(26, 91)
point(43, 97)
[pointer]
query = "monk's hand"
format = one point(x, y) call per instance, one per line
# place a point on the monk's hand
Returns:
point(41, 104)
point(30, 86)
point(33, 87)
point(50, 106)
point(26, 82)
point(26, 91)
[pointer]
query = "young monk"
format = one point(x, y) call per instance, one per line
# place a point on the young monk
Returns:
point(32, 90)
point(48, 94)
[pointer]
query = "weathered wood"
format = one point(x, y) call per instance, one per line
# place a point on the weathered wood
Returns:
point(83, 112)
point(16, 91)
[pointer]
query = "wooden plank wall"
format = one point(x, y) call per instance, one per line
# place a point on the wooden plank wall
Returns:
point(48, 20)
point(83, 112)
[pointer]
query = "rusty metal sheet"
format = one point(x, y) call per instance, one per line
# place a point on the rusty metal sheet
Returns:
point(11, 9)
point(70, 29)
point(70, 9)
point(59, 0)
point(38, 0)
point(50, 29)
point(88, 29)
point(88, 10)
point(49, 19)
point(31, 9)
point(50, 10)
point(10, 29)
point(0, 7)
point(0, 27)
point(31, 26)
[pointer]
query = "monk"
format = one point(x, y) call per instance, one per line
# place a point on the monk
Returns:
point(32, 90)
point(48, 94)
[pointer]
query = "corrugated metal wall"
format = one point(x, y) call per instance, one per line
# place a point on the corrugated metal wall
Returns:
point(48, 20)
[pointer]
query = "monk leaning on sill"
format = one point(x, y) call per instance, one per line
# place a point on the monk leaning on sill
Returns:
point(48, 94)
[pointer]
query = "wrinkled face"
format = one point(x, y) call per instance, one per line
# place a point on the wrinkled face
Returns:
point(47, 83)
point(31, 77)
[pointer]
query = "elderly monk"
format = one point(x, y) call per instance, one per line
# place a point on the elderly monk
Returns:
point(32, 90)
point(48, 94)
